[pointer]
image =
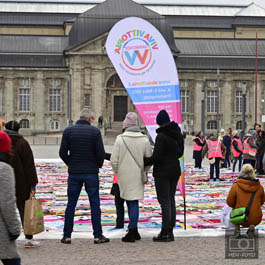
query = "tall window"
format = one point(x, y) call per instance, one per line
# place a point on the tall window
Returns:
point(241, 84)
point(24, 100)
point(183, 83)
point(212, 83)
point(24, 124)
point(212, 101)
point(55, 125)
point(87, 101)
point(55, 96)
point(185, 100)
point(239, 101)
point(212, 125)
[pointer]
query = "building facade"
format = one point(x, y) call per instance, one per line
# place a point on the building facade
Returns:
point(53, 63)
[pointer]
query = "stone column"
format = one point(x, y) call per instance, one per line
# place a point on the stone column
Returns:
point(38, 100)
point(98, 102)
point(197, 101)
point(10, 98)
point(76, 93)
point(226, 102)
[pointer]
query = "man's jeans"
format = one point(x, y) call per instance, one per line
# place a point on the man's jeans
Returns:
point(11, 261)
point(239, 159)
point(75, 184)
point(133, 212)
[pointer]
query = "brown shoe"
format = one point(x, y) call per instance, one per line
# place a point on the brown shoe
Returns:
point(251, 230)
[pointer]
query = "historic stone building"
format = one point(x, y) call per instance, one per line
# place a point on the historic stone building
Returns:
point(53, 61)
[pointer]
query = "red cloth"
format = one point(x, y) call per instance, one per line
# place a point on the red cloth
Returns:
point(5, 142)
point(115, 179)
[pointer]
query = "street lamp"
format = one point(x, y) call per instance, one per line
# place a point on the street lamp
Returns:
point(244, 92)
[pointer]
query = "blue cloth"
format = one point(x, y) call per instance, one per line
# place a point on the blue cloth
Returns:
point(227, 142)
point(239, 159)
point(133, 212)
point(75, 184)
point(82, 148)
point(11, 261)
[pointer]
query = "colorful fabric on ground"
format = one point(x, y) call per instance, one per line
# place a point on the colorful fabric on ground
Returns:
point(204, 200)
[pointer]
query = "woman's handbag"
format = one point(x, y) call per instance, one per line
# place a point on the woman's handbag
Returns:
point(212, 160)
point(252, 153)
point(33, 217)
point(143, 174)
point(240, 215)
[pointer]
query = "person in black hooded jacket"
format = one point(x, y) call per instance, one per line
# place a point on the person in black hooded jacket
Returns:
point(169, 147)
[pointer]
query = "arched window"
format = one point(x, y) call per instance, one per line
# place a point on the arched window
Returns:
point(212, 125)
point(24, 124)
point(114, 81)
point(55, 125)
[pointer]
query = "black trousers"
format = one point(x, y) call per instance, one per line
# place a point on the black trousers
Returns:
point(198, 162)
point(119, 204)
point(165, 190)
point(21, 209)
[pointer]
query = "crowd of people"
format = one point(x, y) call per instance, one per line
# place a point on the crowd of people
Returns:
point(227, 150)
point(82, 150)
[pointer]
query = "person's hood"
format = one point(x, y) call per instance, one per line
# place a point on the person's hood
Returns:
point(15, 136)
point(248, 184)
point(171, 129)
point(213, 138)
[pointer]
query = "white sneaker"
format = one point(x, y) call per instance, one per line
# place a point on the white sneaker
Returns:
point(31, 243)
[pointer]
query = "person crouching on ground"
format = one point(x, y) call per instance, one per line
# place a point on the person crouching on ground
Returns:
point(240, 194)
point(127, 161)
point(216, 150)
point(169, 147)
point(9, 222)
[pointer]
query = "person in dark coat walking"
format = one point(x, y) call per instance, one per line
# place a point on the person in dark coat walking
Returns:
point(227, 143)
point(25, 172)
point(169, 147)
point(260, 153)
point(198, 143)
point(83, 152)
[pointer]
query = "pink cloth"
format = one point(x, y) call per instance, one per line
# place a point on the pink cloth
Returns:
point(130, 120)
point(115, 179)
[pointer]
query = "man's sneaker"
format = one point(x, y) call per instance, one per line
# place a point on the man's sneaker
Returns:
point(66, 240)
point(31, 244)
point(101, 240)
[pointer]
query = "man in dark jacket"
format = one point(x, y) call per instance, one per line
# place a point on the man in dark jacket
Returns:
point(169, 147)
point(83, 152)
point(25, 172)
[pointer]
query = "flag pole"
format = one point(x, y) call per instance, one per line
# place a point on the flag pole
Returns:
point(185, 212)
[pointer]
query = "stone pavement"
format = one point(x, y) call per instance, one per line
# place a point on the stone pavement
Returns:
point(183, 251)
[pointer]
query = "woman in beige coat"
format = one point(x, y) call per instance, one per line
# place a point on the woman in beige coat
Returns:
point(127, 161)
